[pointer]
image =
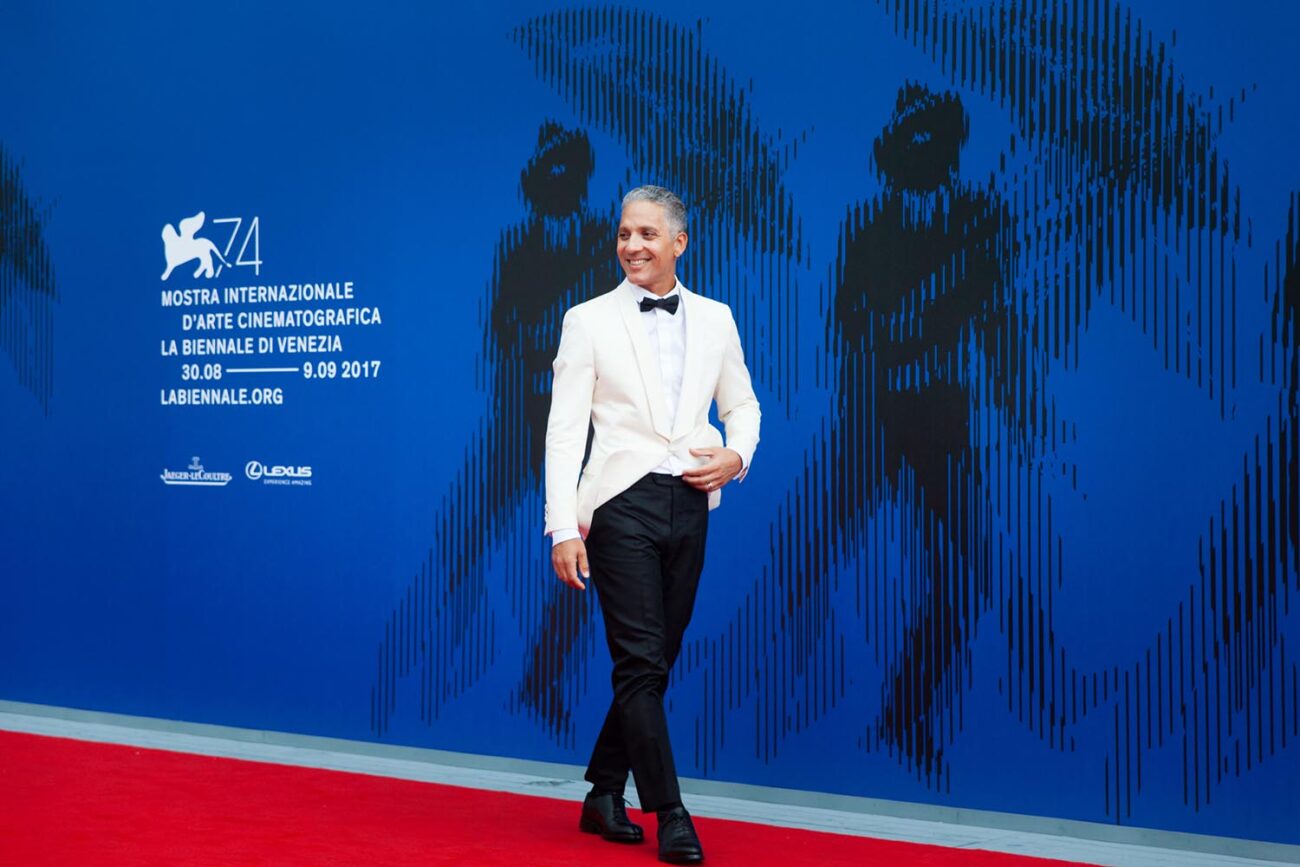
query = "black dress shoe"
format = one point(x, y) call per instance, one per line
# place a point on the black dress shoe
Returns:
point(605, 815)
point(678, 842)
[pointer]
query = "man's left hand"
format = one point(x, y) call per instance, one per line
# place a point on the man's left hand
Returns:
point(721, 467)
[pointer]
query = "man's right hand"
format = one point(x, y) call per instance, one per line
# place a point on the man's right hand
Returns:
point(570, 560)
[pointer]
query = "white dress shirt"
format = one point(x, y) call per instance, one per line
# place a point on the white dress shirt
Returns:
point(667, 334)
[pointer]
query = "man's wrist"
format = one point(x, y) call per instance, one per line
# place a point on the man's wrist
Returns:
point(564, 534)
point(745, 459)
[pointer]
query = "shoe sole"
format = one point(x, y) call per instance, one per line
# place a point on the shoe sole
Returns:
point(587, 826)
point(681, 859)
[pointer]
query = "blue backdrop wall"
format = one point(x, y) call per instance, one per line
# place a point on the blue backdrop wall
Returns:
point(1017, 279)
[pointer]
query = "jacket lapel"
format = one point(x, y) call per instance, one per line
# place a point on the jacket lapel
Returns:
point(685, 419)
point(645, 360)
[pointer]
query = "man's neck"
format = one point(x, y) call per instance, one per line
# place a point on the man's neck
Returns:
point(662, 288)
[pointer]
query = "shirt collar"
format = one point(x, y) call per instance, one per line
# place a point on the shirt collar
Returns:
point(642, 292)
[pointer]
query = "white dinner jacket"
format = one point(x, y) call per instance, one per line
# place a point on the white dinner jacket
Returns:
point(605, 375)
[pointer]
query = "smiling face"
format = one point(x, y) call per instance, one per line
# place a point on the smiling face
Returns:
point(648, 247)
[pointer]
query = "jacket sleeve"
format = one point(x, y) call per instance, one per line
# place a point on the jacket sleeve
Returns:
point(737, 406)
point(570, 417)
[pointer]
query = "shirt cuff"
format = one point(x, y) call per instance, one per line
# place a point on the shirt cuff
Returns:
point(564, 534)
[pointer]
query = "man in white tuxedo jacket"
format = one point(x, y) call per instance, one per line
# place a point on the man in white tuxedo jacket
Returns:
point(641, 366)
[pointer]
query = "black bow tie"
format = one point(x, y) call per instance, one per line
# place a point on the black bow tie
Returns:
point(669, 303)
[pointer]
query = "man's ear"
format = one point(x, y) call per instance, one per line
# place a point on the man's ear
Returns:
point(679, 244)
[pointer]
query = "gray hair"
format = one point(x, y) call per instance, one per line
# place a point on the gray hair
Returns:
point(674, 210)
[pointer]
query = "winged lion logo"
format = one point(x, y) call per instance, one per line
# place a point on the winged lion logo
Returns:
point(181, 247)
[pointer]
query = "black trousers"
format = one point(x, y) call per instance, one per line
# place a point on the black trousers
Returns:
point(646, 552)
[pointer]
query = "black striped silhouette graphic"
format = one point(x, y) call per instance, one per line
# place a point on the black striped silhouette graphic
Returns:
point(27, 286)
point(928, 494)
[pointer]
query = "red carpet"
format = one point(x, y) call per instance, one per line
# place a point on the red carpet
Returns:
point(66, 802)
